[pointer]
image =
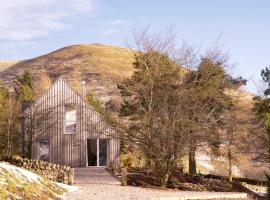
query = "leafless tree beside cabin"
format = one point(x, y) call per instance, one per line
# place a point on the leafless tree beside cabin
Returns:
point(9, 123)
point(37, 122)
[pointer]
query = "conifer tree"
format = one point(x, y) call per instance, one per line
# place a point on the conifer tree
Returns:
point(206, 102)
point(262, 110)
point(26, 95)
point(25, 91)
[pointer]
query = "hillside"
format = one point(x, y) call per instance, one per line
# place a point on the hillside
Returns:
point(18, 183)
point(104, 66)
point(100, 66)
point(6, 64)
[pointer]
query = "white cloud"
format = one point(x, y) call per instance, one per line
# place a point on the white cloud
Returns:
point(28, 19)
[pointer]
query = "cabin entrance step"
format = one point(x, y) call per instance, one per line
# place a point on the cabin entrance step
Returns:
point(94, 175)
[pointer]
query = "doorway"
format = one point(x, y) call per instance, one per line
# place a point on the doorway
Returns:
point(97, 152)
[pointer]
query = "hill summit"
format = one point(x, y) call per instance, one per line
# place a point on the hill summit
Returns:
point(101, 66)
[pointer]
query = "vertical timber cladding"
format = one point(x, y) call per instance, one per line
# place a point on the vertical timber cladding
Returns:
point(71, 149)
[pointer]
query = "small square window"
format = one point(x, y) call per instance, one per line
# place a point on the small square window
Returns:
point(70, 119)
point(44, 150)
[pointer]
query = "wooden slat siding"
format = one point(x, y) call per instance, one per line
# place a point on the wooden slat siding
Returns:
point(51, 121)
point(66, 137)
point(58, 118)
point(75, 136)
point(77, 154)
point(54, 119)
point(83, 137)
point(56, 102)
point(90, 125)
point(61, 128)
point(48, 122)
point(54, 133)
point(81, 128)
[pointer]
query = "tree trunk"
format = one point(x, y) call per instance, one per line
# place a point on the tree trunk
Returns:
point(192, 160)
point(29, 150)
point(29, 147)
point(24, 146)
point(8, 138)
point(23, 137)
point(9, 127)
point(163, 180)
point(230, 163)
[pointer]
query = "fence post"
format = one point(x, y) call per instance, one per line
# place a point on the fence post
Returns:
point(71, 176)
point(123, 176)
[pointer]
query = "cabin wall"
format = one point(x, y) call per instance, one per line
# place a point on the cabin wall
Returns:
point(71, 149)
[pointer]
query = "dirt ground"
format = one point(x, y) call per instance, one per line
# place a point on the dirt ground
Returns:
point(117, 192)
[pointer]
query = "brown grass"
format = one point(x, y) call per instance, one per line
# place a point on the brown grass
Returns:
point(100, 65)
point(6, 64)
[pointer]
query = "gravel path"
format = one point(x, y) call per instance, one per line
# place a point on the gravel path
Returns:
point(116, 192)
point(93, 175)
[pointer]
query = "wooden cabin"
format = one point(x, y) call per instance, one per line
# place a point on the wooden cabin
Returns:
point(68, 131)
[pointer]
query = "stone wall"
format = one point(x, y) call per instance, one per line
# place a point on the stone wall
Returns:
point(54, 172)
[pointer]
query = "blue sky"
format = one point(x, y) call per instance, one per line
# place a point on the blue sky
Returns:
point(30, 28)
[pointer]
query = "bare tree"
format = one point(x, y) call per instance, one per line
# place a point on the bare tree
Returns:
point(9, 123)
point(37, 123)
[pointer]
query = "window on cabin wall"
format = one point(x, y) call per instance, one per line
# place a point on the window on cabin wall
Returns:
point(70, 119)
point(44, 150)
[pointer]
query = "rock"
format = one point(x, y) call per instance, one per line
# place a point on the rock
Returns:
point(55, 172)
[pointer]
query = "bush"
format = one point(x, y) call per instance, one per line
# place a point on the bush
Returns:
point(97, 105)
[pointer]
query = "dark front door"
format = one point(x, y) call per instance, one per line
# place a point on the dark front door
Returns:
point(97, 152)
point(102, 152)
point(92, 152)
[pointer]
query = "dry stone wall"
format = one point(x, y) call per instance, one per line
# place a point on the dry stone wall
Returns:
point(54, 172)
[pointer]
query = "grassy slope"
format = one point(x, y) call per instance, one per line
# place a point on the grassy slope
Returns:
point(18, 183)
point(6, 64)
point(102, 67)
